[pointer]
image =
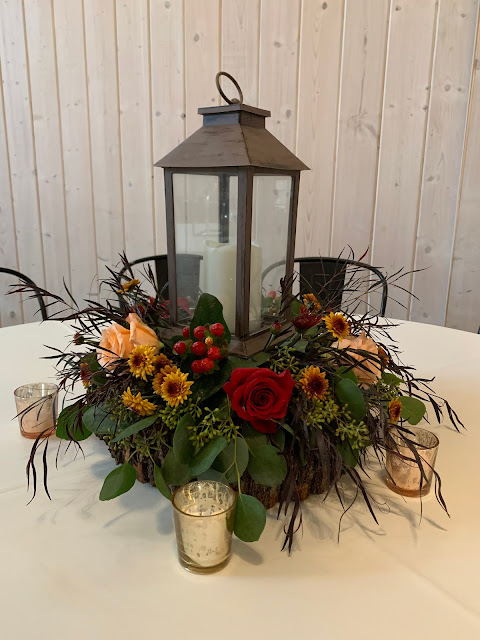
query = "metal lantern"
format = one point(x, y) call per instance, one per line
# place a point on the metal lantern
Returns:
point(231, 192)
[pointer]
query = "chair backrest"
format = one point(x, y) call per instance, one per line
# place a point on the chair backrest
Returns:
point(327, 279)
point(188, 274)
point(27, 280)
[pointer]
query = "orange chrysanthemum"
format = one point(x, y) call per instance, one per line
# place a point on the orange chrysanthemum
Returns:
point(176, 388)
point(159, 362)
point(141, 361)
point(338, 325)
point(85, 374)
point(311, 302)
point(394, 410)
point(160, 377)
point(138, 404)
point(314, 383)
point(128, 285)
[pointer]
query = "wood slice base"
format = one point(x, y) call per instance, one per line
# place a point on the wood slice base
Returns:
point(310, 478)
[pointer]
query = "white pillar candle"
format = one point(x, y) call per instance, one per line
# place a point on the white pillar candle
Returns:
point(219, 277)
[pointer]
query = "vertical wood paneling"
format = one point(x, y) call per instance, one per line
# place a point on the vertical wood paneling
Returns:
point(240, 33)
point(101, 55)
point(18, 118)
point(464, 300)
point(412, 31)
point(360, 110)
point(10, 306)
point(48, 144)
point(319, 75)
point(168, 100)
point(443, 158)
point(372, 94)
point(279, 50)
point(135, 126)
point(72, 87)
point(202, 58)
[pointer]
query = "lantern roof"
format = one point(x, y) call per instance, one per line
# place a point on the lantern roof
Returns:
point(232, 135)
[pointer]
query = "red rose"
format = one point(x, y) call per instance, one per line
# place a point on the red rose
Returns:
point(260, 396)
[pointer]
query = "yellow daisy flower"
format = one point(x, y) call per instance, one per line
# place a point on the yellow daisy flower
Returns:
point(141, 361)
point(394, 410)
point(338, 325)
point(314, 383)
point(160, 377)
point(128, 285)
point(175, 388)
point(160, 361)
point(310, 301)
point(138, 404)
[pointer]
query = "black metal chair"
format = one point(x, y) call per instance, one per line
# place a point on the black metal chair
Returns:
point(23, 278)
point(188, 274)
point(327, 279)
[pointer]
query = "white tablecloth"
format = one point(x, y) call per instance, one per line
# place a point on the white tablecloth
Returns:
point(77, 568)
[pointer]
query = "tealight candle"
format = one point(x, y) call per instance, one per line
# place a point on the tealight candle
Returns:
point(37, 409)
point(204, 513)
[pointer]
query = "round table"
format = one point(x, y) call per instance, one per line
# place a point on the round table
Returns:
point(77, 568)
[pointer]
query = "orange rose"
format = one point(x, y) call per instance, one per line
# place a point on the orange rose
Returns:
point(140, 334)
point(115, 339)
point(370, 371)
point(121, 341)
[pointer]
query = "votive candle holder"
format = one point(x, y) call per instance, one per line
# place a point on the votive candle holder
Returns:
point(404, 473)
point(37, 408)
point(204, 513)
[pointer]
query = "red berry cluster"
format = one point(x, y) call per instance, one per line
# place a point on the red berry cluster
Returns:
point(203, 346)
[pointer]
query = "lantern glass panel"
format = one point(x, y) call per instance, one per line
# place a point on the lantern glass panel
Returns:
point(205, 209)
point(271, 208)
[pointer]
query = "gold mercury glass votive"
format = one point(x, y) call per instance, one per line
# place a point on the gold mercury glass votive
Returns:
point(404, 475)
point(37, 408)
point(204, 513)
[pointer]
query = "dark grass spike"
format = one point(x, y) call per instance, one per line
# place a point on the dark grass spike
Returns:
point(45, 468)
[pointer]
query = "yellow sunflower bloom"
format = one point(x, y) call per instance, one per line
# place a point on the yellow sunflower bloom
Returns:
point(176, 388)
point(141, 361)
point(160, 377)
point(394, 410)
point(313, 383)
point(128, 285)
point(310, 301)
point(338, 325)
point(138, 404)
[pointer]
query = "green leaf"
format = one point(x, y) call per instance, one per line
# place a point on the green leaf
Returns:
point(349, 456)
point(287, 427)
point(213, 474)
point(65, 424)
point(160, 482)
point(279, 439)
point(97, 420)
point(253, 437)
point(208, 311)
point(250, 518)
point(203, 460)
point(207, 386)
point(225, 461)
point(135, 427)
point(301, 345)
point(413, 409)
point(119, 481)
point(391, 379)
point(174, 472)
point(295, 307)
point(350, 395)
point(267, 466)
point(345, 372)
point(182, 445)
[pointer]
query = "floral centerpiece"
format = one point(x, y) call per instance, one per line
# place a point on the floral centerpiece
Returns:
point(309, 409)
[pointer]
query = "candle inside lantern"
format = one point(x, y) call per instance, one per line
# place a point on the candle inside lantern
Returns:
point(219, 277)
point(204, 513)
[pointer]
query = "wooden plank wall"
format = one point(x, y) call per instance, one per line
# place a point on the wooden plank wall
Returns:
point(381, 98)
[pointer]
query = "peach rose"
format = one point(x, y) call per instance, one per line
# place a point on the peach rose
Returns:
point(121, 341)
point(370, 371)
point(115, 339)
point(140, 334)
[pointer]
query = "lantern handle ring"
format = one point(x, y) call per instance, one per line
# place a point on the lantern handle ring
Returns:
point(237, 86)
